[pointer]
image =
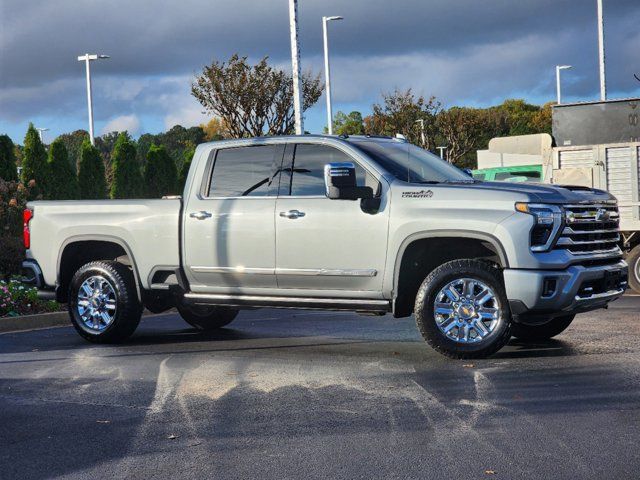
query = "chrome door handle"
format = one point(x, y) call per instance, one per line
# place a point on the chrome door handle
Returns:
point(200, 215)
point(292, 214)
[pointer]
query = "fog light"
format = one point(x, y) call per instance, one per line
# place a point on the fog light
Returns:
point(549, 287)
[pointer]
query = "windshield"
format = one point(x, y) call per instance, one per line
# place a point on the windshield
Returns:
point(410, 163)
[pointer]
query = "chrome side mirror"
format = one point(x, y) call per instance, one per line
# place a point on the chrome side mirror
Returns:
point(340, 182)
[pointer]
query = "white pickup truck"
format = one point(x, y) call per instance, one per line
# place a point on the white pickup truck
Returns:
point(365, 224)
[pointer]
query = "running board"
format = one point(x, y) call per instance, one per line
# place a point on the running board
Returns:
point(349, 304)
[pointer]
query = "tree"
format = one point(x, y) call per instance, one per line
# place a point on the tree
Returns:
point(404, 113)
point(62, 183)
point(126, 174)
point(160, 174)
point(462, 129)
point(73, 143)
point(252, 100)
point(351, 124)
point(214, 129)
point(34, 162)
point(541, 122)
point(8, 170)
point(91, 176)
point(186, 165)
point(520, 115)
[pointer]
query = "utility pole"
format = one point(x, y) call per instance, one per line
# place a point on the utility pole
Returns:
point(40, 130)
point(87, 58)
point(603, 78)
point(327, 72)
point(558, 69)
point(422, 137)
point(295, 67)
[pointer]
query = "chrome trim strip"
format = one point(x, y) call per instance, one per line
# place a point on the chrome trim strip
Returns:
point(597, 296)
point(322, 272)
point(352, 304)
point(235, 270)
point(570, 241)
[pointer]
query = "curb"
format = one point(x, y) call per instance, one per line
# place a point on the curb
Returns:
point(30, 322)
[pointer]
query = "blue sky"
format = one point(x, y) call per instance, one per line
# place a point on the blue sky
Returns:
point(465, 52)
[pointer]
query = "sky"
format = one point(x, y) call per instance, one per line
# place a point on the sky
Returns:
point(465, 52)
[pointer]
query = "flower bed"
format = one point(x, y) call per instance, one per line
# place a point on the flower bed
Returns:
point(17, 299)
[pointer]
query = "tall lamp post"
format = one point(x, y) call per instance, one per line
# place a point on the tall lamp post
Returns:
point(442, 149)
point(40, 130)
point(423, 139)
point(295, 67)
point(327, 72)
point(87, 58)
point(559, 68)
point(603, 78)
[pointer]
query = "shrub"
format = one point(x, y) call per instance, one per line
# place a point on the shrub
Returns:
point(127, 178)
point(8, 170)
point(93, 185)
point(62, 183)
point(186, 165)
point(19, 299)
point(13, 200)
point(160, 175)
point(34, 162)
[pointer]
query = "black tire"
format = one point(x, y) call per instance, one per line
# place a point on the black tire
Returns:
point(633, 259)
point(533, 333)
point(128, 308)
point(425, 309)
point(207, 317)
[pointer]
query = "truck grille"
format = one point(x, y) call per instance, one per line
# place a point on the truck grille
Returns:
point(591, 230)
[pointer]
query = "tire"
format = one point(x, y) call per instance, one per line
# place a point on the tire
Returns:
point(114, 294)
point(633, 259)
point(432, 325)
point(532, 333)
point(207, 318)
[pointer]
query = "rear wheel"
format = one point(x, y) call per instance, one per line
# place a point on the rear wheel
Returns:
point(103, 302)
point(541, 332)
point(207, 317)
point(462, 311)
point(633, 259)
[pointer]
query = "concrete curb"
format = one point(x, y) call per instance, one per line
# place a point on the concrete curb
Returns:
point(30, 322)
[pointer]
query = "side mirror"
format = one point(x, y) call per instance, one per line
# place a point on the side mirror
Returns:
point(468, 171)
point(340, 182)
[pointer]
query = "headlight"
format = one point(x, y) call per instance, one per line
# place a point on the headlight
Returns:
point(548, 220)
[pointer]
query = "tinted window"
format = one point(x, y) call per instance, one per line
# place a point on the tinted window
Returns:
point(245, 171)
point(479, 176)
point(524, 176)
point(308, 168)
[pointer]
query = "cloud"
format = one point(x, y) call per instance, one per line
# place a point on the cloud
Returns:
point(123, 123)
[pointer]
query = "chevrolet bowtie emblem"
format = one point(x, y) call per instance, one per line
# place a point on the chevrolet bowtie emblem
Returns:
point(602, 215)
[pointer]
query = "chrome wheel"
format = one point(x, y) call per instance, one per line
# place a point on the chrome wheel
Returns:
point(96, 303)
point(467, 310)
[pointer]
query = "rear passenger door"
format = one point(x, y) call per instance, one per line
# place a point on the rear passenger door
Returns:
point(229, 232)
point(330, 246)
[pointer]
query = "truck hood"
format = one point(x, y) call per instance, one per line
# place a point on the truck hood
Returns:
point(549, 193)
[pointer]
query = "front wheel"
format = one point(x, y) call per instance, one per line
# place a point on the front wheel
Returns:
point(462, 311)
point(633, 259)
point(545, 331)
point(205, 317)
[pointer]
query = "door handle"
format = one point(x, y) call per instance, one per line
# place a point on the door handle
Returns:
point(292, 214)
point(200, 215)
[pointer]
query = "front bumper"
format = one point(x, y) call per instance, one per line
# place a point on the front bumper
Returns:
point(535, 296)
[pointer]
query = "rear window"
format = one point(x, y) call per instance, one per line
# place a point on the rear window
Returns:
point(523, 176)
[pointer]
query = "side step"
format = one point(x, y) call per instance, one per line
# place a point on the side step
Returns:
point(348, 304)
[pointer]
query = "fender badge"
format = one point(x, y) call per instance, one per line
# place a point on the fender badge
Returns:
point(418, 194)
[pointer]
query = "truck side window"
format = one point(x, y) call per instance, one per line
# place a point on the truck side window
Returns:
point(307, 175)
point(245, 171)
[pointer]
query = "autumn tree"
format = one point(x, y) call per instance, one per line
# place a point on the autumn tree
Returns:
point(91, 175)
point(402, 112)
point(214, 129)
point(62, 183)
point(160, 174)
point(462, 130)
point(126, 174)
point(8, 170)
point(252, 100)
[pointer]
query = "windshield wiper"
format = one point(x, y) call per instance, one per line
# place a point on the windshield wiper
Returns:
point(471, 180)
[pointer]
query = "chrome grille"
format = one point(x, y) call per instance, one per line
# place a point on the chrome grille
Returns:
point(591, 230)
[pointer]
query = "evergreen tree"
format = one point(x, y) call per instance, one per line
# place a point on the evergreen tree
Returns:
point(186, 165)
point(127, 178)
point(34, 162)
point(91, 178)
point(160, 174)
point(62, 183)
point(8, 170)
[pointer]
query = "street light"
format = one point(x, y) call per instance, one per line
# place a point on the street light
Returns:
point(87, 58)
point(558, 69)
point(422, 137)
point(442, 149)
point(327, 73)
point(40, 130)
point(295, 67)
point(603, 78)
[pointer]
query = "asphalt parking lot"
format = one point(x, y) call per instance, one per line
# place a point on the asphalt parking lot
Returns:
point(295, 394)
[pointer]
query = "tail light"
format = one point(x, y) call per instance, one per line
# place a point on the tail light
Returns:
point(27, 215)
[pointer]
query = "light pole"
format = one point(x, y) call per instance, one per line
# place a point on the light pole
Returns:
point(422, 137)
point(558, 69)
point(295, 67)
point(442, 149)
point(87, 58)
point(603, 79)
point(327, 72)
point(40, 130)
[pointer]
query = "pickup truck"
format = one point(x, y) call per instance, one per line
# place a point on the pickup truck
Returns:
point(365, 224)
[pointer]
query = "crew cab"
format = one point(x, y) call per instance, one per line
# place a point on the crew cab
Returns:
point(373, 225)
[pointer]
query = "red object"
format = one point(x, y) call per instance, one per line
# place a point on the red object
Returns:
point(27, 215)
